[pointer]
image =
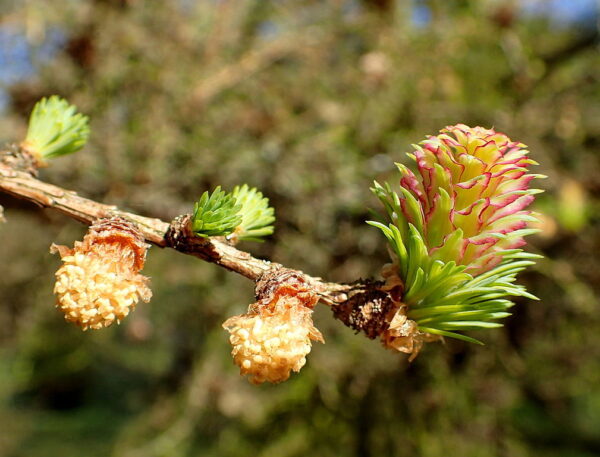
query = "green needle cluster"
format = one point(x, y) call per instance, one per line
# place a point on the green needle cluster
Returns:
point(257, 215)
point(55, 129)
point(216, 214)
point(444, 297)
point(244, 212)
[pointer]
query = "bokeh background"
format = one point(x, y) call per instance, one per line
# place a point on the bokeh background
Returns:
point(309, 101)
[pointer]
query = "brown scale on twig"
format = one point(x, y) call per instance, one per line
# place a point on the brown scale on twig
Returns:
point(285, 282)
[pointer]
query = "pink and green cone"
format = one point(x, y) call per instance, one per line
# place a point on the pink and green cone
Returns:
point(457, 226)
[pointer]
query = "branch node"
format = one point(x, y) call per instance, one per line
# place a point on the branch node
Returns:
point(367, 310)
point(16, 157)
point(280, 281)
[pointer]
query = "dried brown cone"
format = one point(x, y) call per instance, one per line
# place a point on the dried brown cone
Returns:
point(99, 282)
point(274, 337)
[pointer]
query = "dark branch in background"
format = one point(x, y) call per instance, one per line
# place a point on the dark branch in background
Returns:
point(551, 62)
point(582, 43)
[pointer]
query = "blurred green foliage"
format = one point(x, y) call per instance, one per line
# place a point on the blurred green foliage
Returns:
point(308, 101)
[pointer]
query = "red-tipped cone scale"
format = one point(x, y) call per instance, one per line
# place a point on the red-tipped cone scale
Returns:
point(455, 228)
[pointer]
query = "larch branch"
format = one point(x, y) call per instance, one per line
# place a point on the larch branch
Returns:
point(177, 234)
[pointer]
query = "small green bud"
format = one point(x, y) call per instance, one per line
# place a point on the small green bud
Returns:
point(55, 129)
